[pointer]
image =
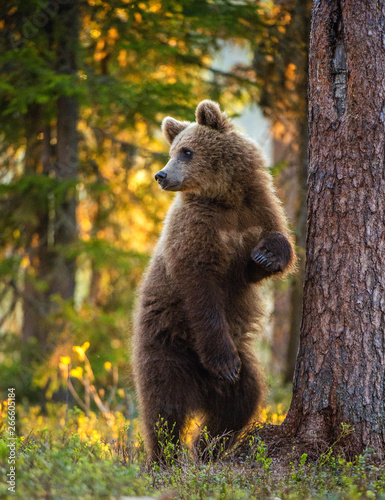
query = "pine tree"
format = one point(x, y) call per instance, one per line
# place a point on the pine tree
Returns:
point(340, 371)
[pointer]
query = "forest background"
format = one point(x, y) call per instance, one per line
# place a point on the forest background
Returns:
point(84, 88)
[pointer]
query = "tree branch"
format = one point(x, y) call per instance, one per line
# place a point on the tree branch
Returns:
point(132, 148)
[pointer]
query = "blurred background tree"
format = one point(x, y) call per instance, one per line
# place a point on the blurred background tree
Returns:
point(281, 67)
point(84, 87)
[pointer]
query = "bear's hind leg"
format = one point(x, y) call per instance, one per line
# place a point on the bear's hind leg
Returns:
point(228, 409)
point(168, 392)
point(162, 427)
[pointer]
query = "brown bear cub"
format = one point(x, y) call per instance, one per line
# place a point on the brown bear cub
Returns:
point(198, 303)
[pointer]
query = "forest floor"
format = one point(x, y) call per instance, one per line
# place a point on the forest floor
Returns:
point(65, 454)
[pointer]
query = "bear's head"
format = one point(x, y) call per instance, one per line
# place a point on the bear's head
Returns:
point(204, 156)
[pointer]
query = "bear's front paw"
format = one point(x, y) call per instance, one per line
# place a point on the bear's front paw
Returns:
point(228, 369)
point(273, 253)
point(224, 364)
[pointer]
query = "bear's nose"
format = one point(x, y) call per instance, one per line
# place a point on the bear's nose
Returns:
point(160, 176)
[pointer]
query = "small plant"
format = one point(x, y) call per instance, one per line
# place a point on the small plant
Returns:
point(168, 444)
point(258, 454)
point(299, 473)
point(326, 456)
point(211, 449)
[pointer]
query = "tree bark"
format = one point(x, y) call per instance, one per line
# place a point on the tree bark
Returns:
point(340, 371)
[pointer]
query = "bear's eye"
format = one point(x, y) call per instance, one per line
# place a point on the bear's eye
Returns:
point(187, 153)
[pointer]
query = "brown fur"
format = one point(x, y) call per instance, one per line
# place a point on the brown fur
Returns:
point(225, 232)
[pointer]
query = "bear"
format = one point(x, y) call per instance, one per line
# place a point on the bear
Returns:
point(198, 302)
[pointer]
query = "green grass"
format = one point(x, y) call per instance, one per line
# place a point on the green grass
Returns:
point(63, 466)
point(81, 457)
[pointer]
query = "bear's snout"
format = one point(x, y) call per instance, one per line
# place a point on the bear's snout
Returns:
point(160, 176)
point(170, 178)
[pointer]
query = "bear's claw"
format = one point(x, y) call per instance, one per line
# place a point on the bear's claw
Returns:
point(230, 373)
point(273, 253)
point(260, 259)
point(234, 375)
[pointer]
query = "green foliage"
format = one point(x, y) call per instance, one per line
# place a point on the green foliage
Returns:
point(122, 54)
point(258, 455)
point(24, 200)
point(68, 468)
point(67, 455)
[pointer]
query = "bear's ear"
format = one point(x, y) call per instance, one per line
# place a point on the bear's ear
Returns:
point(209, 114)
point(171, 128)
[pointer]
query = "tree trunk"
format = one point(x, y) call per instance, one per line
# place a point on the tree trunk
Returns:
point(340, 372)
point(67, 163)
point(57, 226)
point(66, 168)
point(291, 146)
point(34, 300)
